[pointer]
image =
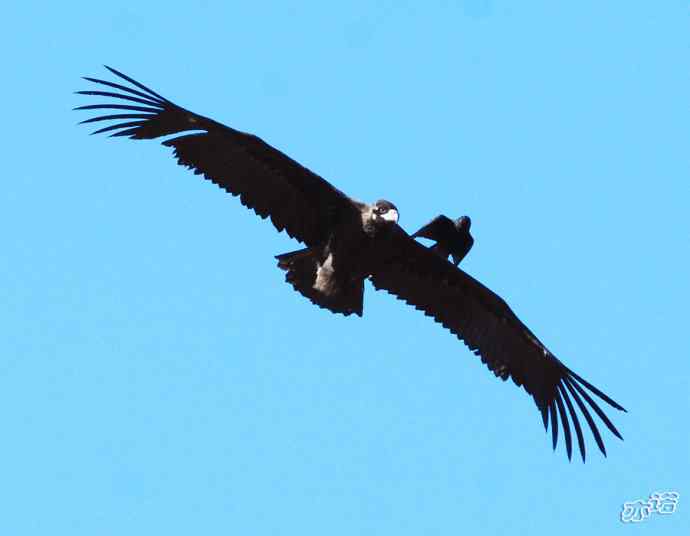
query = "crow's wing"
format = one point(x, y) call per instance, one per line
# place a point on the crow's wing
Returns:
point(437, 229)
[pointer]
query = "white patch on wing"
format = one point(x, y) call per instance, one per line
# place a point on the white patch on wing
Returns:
point(324, 272)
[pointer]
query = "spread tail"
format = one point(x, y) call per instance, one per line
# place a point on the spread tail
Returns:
point(312, 273)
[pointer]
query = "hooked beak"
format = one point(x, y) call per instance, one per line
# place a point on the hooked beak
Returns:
point(391, 215)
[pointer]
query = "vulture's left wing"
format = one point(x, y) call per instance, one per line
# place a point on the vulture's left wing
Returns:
point(485, 323)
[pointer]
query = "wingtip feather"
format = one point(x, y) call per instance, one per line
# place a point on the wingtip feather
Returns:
point(588, 417)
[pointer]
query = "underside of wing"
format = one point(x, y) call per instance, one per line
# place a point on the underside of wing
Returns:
point(485, 323)
point(266, 180)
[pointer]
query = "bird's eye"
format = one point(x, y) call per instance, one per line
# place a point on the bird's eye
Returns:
point(382, 210)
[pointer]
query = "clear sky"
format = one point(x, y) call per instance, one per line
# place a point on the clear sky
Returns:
point(159, 377)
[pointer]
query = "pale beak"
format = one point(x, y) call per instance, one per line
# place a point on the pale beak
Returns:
point(391, 215)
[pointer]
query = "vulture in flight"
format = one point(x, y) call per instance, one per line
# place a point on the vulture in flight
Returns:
point(347, 241)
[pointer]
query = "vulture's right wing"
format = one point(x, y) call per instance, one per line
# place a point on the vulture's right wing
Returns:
point(267, 181)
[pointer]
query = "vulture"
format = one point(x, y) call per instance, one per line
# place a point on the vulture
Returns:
point(347, 241)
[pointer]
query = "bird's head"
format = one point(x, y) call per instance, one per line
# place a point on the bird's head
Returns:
point(463, 223)
point(385, 211)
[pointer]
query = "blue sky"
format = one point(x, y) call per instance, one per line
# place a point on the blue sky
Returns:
point(158, 376)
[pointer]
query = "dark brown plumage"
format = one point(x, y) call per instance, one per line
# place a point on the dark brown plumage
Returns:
point(349, 241)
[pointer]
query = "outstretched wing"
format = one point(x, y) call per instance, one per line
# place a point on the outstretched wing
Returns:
point(491, 330)
point(267, 181)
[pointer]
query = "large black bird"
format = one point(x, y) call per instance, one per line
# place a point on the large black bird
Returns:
point(348, 241)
